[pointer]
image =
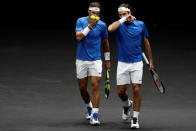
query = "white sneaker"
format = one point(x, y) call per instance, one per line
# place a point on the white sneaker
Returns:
point(126, 112)
point(134, 123)
point(88, 113)
point(94, 119)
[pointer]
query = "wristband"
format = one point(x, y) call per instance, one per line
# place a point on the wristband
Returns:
point(122, 20)
point(107, 55)
point(85, 31)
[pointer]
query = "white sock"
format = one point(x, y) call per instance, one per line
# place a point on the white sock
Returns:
point(89, 104)
point(95, 110)
point(136, 114)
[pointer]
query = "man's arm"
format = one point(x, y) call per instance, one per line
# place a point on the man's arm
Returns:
point(79, 36)
point(149, 52)
point(82, 34)
point(114, 26)
point(106, 48)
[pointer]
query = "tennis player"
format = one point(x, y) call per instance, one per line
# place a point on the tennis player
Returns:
point(90, 34)
point(130, 34)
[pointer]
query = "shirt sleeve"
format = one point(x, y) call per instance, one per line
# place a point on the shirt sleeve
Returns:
point(104, 34)
point(79, 26)
point(145, 31)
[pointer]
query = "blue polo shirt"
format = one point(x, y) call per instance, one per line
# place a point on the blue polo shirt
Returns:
point(129, 41)
point(89, 48)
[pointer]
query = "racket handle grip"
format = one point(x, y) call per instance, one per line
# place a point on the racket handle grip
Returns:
point(145, 58)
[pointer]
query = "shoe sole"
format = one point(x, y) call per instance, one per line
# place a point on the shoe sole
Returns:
point(134, 127)
point(95, 124)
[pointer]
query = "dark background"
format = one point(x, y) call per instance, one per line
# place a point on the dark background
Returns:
point(38, 85)
point(165, 13)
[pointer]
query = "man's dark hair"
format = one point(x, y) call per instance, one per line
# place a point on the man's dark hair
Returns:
point(95, 4)
point(125, 5)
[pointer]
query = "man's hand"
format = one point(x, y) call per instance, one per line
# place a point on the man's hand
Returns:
point(107, 64)
point(130, 18)
point(151, 66)
point(92, 23)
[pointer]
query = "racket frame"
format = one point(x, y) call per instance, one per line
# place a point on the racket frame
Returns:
point(158, 83)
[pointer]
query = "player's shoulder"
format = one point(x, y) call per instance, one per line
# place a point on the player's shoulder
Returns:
point(82, 18)
point(102, 23)
point(138, 22)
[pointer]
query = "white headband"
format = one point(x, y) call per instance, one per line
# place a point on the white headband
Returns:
point(123, 9)
point(94, 9)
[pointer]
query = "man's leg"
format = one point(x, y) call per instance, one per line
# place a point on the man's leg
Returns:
point(81, 70)
point(136, 97)
point(95, 82)
point(136, 105)
point(122, 92)
point(123, 79)
point(83, 89)
point(85, 95)
point(127, 103)
point(136, 80)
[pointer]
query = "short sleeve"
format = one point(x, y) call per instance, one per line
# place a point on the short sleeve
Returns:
point(104, 34)
point(79, 26)
point(145, 31)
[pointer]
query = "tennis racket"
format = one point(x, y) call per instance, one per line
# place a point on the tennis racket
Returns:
point(107, 84)
point(155, 76)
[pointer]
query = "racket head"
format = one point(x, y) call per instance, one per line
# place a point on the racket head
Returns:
point(157, 81)
point(107, 84)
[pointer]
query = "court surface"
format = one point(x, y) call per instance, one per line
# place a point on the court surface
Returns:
point(39, 92)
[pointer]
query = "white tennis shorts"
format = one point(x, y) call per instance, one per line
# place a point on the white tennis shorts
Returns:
point(88, 68)
point(129, 73)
